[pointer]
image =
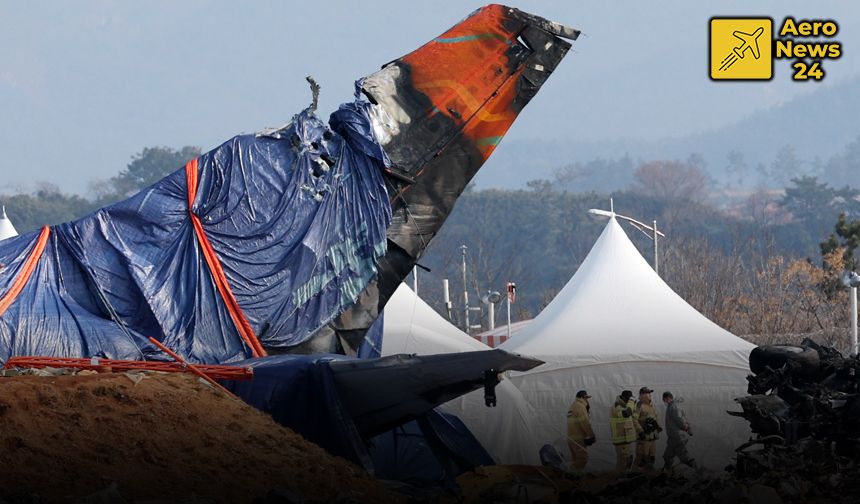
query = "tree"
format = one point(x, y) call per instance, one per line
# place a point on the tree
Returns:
point(540, 186)
point(816, 205)
point(846, 239)
point(47, 205)
point(786, 166)
point(736, 167)
point(842, 169)
point(807, 197)
point(146, 167)
point(602, 175)
point(670, 180)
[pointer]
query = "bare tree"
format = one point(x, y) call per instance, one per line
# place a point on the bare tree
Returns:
point(767, 297)
point(670, 180)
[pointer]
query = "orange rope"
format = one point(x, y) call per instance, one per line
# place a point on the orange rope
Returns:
point(215, 371)
point(239, 320)
point(26, 272)
point(191, 367)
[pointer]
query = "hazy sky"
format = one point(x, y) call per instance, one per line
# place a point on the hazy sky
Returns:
point(84, 85)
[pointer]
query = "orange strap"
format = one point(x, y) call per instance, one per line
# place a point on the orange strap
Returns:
point(26, 272)
point(241, 323)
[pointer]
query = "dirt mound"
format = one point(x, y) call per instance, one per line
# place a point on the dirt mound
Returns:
point(162, 436)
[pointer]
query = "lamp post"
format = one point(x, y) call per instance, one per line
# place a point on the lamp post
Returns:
point(466, 323)
point(852, 280)
point(490, 299)
point(650, 231)
point(854, 319)
point(512, 293)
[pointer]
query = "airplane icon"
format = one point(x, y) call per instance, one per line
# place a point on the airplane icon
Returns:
point(748, 41)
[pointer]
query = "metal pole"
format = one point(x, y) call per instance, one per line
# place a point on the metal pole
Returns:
point(415, 279)
point(491, 312)
point(447, 296)
point(853, 320)
point(508, 297)
point(465, 293)
point(656, 261)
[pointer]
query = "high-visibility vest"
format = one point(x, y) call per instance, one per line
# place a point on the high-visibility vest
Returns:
point(622, 428)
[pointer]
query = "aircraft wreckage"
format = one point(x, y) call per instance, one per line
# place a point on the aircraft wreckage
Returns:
point(804, 406)
point(292, 240)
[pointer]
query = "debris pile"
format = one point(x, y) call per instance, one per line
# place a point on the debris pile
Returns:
point(515, 484)
point(156, 435)
point(804, 408)
point(774, 487)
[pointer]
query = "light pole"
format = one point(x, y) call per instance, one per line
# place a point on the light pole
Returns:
point(415, 269)
point(490, 299)
point(650, 231)
point(447, 297)
point(852, 280)
point(466, 324)
point(512, 293)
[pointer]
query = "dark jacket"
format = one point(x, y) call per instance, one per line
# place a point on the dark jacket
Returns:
point(677, 428)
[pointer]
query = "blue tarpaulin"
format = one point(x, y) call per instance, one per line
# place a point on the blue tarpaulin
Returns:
point(295, 218)
point(371, 347)
point(430, 451)
point(301, 392)
point(298, 391)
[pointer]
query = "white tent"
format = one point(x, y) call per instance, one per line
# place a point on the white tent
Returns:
point(411, 326)
point(616, 325)
point(7, 230)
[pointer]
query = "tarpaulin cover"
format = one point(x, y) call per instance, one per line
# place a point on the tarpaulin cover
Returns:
point(371, 347)
point(429, 451)
point(300, 392)
point(294, 218)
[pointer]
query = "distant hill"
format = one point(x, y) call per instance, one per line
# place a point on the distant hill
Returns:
point(819, 125)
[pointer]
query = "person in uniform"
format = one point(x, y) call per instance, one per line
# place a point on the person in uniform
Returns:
point(579, 433)
point(622, 425)
point(648, 432)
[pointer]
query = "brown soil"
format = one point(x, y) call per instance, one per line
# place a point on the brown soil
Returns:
point(168, 436)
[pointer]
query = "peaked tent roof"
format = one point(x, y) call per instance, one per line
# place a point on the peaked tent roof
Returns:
point(617, 309)
point(616, 325)
point(411, 326)
point(7, 230)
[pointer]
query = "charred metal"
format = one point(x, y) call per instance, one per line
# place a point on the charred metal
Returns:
point(804, 408)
